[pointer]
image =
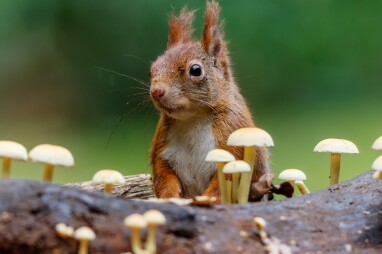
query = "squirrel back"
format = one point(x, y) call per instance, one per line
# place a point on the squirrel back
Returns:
point(200, 106)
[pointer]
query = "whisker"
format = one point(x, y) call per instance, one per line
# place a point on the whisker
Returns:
point(124, 75)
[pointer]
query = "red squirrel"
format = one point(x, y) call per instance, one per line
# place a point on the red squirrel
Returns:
point(200, 106)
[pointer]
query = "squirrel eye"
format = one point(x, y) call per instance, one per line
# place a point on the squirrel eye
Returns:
point(195, 70)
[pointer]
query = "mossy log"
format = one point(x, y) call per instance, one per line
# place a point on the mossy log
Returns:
point(343, 218)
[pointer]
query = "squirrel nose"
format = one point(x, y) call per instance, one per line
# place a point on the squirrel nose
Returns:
point(157, 93)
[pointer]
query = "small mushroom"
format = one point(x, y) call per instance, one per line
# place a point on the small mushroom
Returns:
point(64, 231)
point(135, 222)
point(377, 166)
point(153, 218)
point(260, 225)
point(249, 138)
point(11, 150)
point(203, 200)
point(109, 177)
point(84, 235)
point(377, 145)
point(292, 175)
point(336, 147)
point(220, 157)
point(51, 156)
point(236, 168)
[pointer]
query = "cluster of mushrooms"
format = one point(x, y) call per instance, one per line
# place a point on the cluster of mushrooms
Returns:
point(235, 175)
point(151, 219)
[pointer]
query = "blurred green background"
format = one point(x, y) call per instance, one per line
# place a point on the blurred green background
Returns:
point(309, 70)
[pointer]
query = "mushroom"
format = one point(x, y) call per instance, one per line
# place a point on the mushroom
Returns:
point(135, 222)
point(11, 150)
point(51, 156)
point(84, 235)
point(293, 175)
point(250, 138)
point(336, 147)
point(377, 145)
point(220, 157)
point(203, 200)
point(109, 177)
point(64, 231)
point(377, 165)
point(153, 218)
point(260, 225)
point(236, 168)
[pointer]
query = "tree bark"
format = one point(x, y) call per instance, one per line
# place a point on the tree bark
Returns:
point(343, 218)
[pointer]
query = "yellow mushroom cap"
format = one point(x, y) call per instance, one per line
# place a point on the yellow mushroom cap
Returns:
point(64, 231)
point(292, 174)
point(250, 137)
point(13, 150)
point(154, 217)
point(335, 145)
point(84, 233)
point(260, 223)
point(52, 154)
point(238, 166)
point(135, 221)
point(219, 155)
point(377, 145)
point(377, 164)
point(108, 176)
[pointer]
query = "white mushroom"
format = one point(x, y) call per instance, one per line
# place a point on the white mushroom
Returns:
point(336, 147)
point(9, 151)
point(236, 168)
point(249, 138)
point(135, 222)
point(64, 231)
point(377, 145)
point(295, 176)
point(51, 156)
point(377, 166)
point(109, 177)
point(220, 157)
point(84, 235)
point(153, 218)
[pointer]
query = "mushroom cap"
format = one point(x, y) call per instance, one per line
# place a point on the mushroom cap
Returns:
point(219, 155)
point(52, 154)
point(260, 223)
point(84, 233)
point(13, 150)
point(203, 200)
point(377, 164)
point(250, 137)
point(238, 166)
point(377, 145)
point(154, 217)
point(64, 230)
point(292, 174)
point(135, 221)
point(108, 176)
point(335, 145)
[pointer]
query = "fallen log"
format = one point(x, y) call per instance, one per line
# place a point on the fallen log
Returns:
point(343, 218)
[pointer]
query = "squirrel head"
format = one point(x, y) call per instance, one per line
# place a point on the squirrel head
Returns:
point(192, 76)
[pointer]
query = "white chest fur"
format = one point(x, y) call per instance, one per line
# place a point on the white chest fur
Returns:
point(188, 145)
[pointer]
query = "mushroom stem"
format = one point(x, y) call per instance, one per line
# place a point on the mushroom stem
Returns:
point(48, 172)
point(6, 167)
point(83, 248)
point(302, 188)
point(229, 191)
point(335, 164)
point(150, 245)
point(136, 244)
point(222, 185)
point(378, 175)
point(246, 177)
point(235, 187)
point(108, 188)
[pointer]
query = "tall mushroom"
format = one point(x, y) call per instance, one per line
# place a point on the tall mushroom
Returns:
point(109, 177)
point(336, 147)
point(135, 222)
point(220, 157)
point(377, 166)
point(295, 176)
point(249, 138)
point(236, 168)
point(377, 145)
point(11, 150)
point(84, 235)
point(51, 156)
point(153, 218)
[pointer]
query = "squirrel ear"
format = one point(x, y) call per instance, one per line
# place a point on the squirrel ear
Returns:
point(212, 40)
point(180, 27)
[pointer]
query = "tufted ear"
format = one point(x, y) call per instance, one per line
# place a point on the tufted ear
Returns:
point(180, 27)
point(212, 38)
